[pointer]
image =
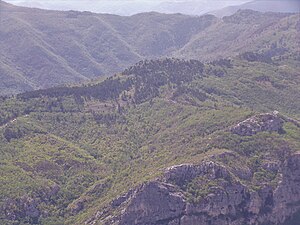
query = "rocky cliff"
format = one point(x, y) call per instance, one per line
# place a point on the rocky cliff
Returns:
point(210, 193)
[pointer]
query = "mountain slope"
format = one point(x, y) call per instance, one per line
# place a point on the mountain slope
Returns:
point(287, 6)
point(69, 155)
point(48, 48)
point(246, 30)
point(41, 48)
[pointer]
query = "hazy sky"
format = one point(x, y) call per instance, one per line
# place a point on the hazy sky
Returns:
point(129, 7)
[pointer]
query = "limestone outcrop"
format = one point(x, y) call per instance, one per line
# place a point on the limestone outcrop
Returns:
point(225, 199)
point(271, 122)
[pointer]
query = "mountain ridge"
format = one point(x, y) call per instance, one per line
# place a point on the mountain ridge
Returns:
point(88, 153)
point(289, 6)
point(70, 47)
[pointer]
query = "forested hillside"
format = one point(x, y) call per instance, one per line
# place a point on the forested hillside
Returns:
point(42, 49)
point(69, 153)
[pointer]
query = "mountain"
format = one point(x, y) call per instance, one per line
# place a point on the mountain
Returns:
point(43, 48)
point(127, 8)
point(166, 141)
point(193, 7)
point(47, 48)
point(287, 6)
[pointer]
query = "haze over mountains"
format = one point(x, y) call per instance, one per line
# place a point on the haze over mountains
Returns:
point(41, 48)
point(199, 125)
point(130, 7)
point(189, 7)
point(287, 6)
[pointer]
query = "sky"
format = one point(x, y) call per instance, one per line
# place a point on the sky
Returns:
point(129, 7)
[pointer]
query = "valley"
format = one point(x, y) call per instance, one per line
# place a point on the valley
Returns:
point(149, 119)
point(43, 48)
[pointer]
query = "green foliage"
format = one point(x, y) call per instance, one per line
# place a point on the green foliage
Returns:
point(88, 144)
point(200, 187)
point(263, 176)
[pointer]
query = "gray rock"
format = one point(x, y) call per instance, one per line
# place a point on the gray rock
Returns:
point(184, 173)
point(153, 203)
point(271, 122)
point(25, 206)
point(164, 201)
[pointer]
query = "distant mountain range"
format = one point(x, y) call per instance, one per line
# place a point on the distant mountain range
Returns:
point(188, 7)
point(127, 8)
point(203, 129)
point(286, 6)
point(42, 48)
point(194, 7)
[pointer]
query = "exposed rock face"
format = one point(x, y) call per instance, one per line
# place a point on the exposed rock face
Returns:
point(28, 206)
point(153, 203)
point(23, 207)
point(287, 194)
point(182, 174)
point(228, 201)
point(264, 122)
